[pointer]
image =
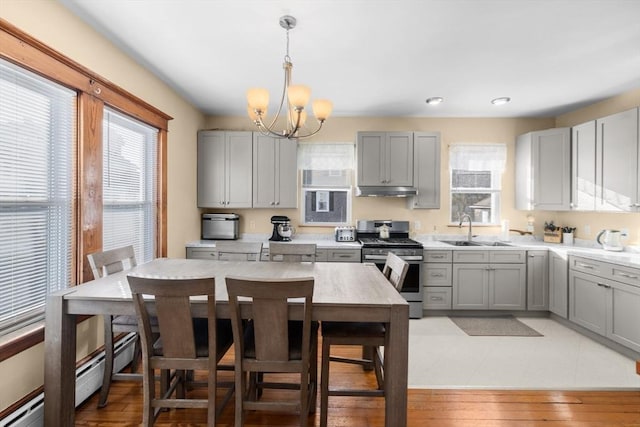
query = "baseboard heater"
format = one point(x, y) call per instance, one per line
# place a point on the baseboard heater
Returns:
point(88, 380)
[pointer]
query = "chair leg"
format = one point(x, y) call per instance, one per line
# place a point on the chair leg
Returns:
point(148, 394)
point(137, 354)
point(108, 362)
point(368, 353)
point(241, 382)
point(324, 380)
point(377, 366)
point(313, 377)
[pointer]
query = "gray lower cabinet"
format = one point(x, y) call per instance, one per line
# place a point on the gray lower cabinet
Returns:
point(538, 280)
point(489, 286)
point(558, 285)
point(608, 307)
point(437, 277)
point(327, 254)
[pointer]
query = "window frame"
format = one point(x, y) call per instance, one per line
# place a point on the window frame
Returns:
point(94, 92)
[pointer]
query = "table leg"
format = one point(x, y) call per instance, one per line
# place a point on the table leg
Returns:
point(396, 369)
point(60, 364)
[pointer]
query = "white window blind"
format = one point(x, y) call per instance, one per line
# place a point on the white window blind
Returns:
point(129, 184)
point(37, 133)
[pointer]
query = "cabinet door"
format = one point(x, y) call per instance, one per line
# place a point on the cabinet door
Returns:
point(286, 174)
point(470, 286)
point(617, 162)
point(399, 163)
point(624, 318)
point(264, 169)
point(507, 287)
point(537, 280)
point(583, 166)
point(587, 302)
point(211, 169)
point(371, 158)
point(239, 146)
point(558, 285)
point(426, 170)
point(551, 163)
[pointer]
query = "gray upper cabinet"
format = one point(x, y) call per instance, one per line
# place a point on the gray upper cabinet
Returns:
point(224, 169)
point(617, 178)
point(426, 170)
point(543, 170)
point(385, 159)
point(583, 166)
point(274, 172)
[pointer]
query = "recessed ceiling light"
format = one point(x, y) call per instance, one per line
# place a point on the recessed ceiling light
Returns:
point(501, 101)
point(435, 100)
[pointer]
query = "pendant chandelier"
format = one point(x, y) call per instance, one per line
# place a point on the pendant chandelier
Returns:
point(292, 103)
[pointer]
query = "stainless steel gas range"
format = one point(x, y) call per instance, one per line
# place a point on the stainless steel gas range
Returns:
point(375, 250)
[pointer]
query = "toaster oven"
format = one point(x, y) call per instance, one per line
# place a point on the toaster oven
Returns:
point(345, 234)
point(218, 226)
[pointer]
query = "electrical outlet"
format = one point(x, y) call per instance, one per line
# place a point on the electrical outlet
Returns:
point(252, 225)
point(417, 225)
point(587, 230)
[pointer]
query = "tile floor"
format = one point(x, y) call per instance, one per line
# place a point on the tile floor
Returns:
point(443, 356)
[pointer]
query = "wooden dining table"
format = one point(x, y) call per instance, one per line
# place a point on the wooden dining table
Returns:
point(350, 292)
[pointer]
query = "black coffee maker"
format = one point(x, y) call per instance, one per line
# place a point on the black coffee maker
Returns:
point(282, 230)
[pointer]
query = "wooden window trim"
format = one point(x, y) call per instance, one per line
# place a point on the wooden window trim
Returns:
point(94, 92)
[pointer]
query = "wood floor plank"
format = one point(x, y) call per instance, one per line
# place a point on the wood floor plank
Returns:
point(426, 407)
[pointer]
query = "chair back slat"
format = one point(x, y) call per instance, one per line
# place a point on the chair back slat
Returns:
point(271, 315)
point(395, 270)
point(292, 252)
point(111, 261)
point(174, 321)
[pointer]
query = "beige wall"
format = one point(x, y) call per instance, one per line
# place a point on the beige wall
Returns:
point(49, 22)
point(452, 130)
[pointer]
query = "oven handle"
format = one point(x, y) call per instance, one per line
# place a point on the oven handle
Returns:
point(384, 257)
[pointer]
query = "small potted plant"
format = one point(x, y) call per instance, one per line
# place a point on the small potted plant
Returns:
point(567, 235)
point(552, 233)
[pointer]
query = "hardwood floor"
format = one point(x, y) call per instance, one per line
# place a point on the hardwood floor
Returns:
point(455, 408)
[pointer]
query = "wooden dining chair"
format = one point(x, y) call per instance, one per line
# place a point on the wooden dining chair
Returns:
point(292, 252)
point(238, 251)
point(185, 343)
point(271, 343)
point(103, 264)
point(369, 335)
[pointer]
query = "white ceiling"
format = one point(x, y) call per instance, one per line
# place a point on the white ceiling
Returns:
point(384, 57)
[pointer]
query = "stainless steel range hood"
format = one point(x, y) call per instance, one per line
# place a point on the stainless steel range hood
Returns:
point(381, 191)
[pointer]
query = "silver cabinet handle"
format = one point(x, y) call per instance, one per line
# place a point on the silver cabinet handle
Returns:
point(436, 256)
point(432, 298)
point(585, 266)
point(604, 286)
point(437, 275)
point(628, 276)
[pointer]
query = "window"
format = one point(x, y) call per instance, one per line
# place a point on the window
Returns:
point(326, 183)
point(475, 178)
point(37, 132)
point(129, 178)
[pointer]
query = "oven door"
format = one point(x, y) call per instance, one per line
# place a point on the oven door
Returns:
point(412, 281)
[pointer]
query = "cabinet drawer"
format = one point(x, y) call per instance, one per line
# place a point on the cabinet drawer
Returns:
point(437, 298)
point(437, 274)
point(627, 275)
point(343, 255)
point(321, 255)
point(502, 257)
point(438, 256)
point(202, 253)
point(588, 266)
point(471, 256)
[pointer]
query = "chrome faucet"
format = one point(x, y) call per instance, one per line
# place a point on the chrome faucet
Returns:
point(468, 218)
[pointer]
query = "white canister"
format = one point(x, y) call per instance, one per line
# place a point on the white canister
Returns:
point(567, 238)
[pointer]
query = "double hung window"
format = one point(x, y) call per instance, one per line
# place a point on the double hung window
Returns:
point(129, 184)
point(327, 171)
point(475, 178)
point(37, 157)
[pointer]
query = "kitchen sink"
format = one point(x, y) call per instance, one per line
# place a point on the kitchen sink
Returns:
point(461, 243)
point(473, 243)
point(495, 244)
